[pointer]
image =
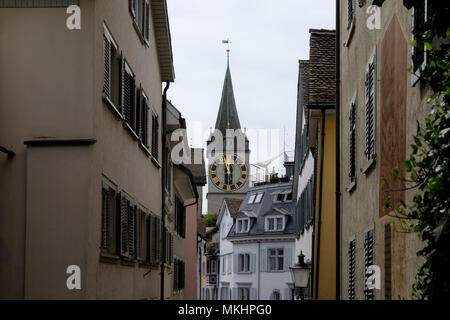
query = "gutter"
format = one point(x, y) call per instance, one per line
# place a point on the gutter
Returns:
point(163, 187)
point(338, 153)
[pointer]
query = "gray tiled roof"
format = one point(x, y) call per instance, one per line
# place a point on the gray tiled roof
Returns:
point(267, 206)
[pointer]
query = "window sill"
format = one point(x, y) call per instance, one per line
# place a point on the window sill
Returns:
point(130, 130)
point(155, 162)
point(350, 34)
point(351, 186)
point(112, 106)
point(145, 149)
point(369, 164)
point(128, 262)
point(109, 258)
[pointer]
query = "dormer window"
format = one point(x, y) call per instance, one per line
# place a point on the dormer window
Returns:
point(251, 199)
point(259, 197)
point(242, 225)
point(285, 196)
point(275, 223)
point(255, 198)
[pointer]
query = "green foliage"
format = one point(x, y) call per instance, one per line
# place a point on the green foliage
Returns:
point(428, 170)
point(210, 219)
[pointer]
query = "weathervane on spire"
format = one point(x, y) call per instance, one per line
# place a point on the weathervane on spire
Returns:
point(227, 42)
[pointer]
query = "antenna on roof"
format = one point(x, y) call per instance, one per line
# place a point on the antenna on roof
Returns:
point(227, 42)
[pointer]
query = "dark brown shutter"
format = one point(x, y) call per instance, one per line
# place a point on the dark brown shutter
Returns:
point(122, 84)
point(131, 231)
point(107, 66)
point(132, 102)
point(368, 261)
point(370, 110)
point(106, 208)
point(351, 270)
point(124, 226)
point(352, 142)
point(144, 136)
point(149, 238)
point(147, 21)
point(138, 242)
point(139, 111)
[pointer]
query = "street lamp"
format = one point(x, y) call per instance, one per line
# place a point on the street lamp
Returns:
point(300, 273)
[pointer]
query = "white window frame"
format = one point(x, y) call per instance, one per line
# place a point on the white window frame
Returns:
point(275, 219)
point(276, 257)
point(240, 225)
point(259, 197)
point(245, 267)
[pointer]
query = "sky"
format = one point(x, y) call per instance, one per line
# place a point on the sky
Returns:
point(267, 40)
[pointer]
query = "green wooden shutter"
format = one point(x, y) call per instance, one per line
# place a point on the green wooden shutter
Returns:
point(107, 66)
point(122, 84)
point(139, 112)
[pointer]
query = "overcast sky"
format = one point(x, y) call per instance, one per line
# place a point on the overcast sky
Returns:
point(268, 38)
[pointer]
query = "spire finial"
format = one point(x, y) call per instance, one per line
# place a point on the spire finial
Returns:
point(227, 42)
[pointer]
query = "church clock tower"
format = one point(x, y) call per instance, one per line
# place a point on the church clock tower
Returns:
point(228, 171)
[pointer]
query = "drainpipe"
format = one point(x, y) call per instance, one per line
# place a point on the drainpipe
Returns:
point(259, 270)
point(319, 221)
point(163, 188)
point(338, 154)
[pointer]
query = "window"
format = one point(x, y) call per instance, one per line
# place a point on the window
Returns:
point(242, 225)
point(305, 206)
point(244, 262)
point(129, 96)
point(140, 10)
point(112, 62)
point(284, 196)
point(370, 109)
point(168, 168)
point(243, 293)
point(351, 270)
point(275, 224)
point(276, 259)
point(352, 142)
point(368, 261)
point(153, 239)
point(251, 198)
point(350, 13)
point(258, 197)
point(288, 197)
point(180, 218)
point(168, 238)
point(224, 293)
point(276, 295)
point(155, 135)
point(279, 197)
point(108, 234)
point(419, 54)
point(222, 265)
point(178, 275)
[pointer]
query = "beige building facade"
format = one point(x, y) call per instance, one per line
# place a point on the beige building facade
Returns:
point(81, 110)
point(380, 104)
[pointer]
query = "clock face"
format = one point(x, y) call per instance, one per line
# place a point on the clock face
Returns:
point(228, 173)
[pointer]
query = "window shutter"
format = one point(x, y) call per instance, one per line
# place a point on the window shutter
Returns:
point(107, 66)
point(370, 109)
point(287, 258)
point(351, 270)
point(124, 226)
point(352, 142)
point(149, 238)
point(118, 224)
point(234, 293)
point(122, 84)
point(263, 261)
point(145, 122)
point(203, 268)
point(105, 217)
point(253, 294)
point(184, 220)
point(229, 257)
point(368, 261)
point(387, 262)
point(147, 21)
point(253, 262)
point(138, 234)
point(350, 13)
point(154, 240)
point(287, 294)
point(175, 275)
point(131, 230)
point(235, 263)
point(159, 243)
point(139, 111)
